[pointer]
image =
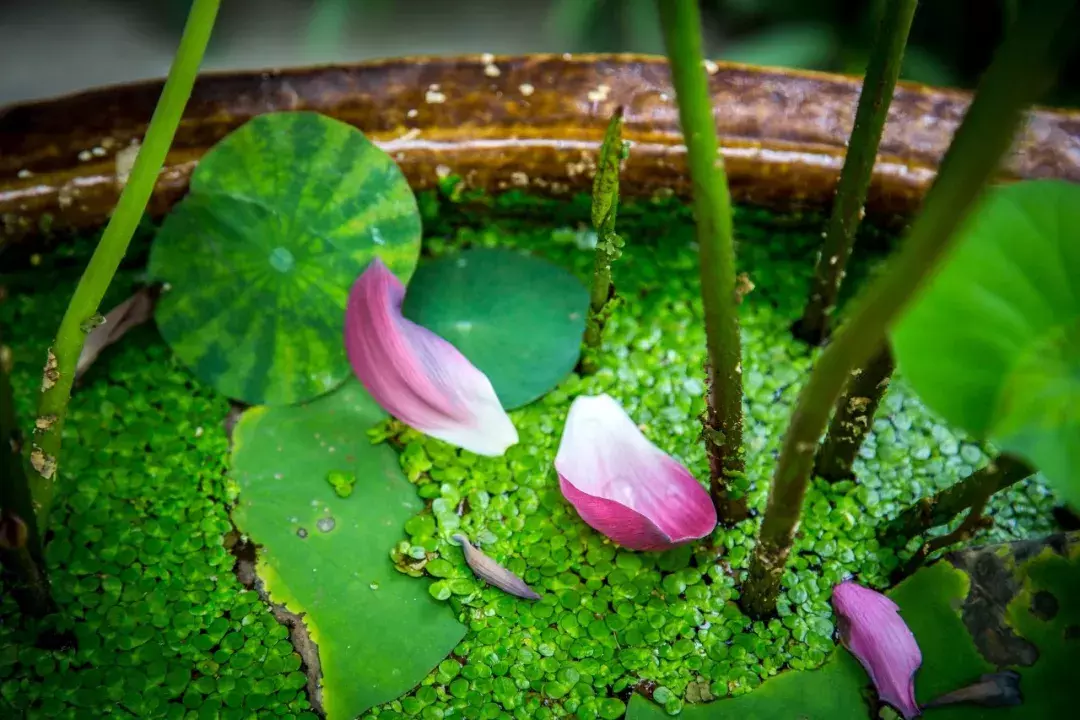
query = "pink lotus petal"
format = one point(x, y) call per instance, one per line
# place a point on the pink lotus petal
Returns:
point(873, 631)
point(623, 485)
point(415, 375)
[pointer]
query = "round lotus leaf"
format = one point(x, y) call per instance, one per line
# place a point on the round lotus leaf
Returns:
point(282, 217)
point(517, 318)
point(992, 343)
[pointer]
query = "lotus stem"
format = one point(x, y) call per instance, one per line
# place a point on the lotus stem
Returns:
point(82, 313)
point(723, 425)
point(1002, 472)
point(605, 206)
point(883, 69)
point(20, 542)
point(853, 416)
point(1022, 69)
point(971, 524)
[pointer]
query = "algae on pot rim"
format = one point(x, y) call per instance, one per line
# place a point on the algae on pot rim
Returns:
point(165, 628)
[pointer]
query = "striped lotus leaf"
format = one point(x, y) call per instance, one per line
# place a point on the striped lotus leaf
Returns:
point(282, 216)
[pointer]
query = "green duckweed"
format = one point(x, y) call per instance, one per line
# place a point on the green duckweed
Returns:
point(164, 628)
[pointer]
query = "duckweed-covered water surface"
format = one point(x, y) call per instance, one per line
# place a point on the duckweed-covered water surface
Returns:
point(140, 557)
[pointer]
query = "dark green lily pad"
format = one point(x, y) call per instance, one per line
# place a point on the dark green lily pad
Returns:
point(327, 558)
point(993, 342)
point(282, 216)
point(517, 318)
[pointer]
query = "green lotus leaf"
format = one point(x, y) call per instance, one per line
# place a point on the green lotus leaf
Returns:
point(517, 318)
point(282, 216)
point(992, 342)
point(326, 557)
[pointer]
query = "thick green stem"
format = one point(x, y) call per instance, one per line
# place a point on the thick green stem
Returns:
point(853, 416)
point(605, 207)
point(886, 57)
point(681, 23)
point(81, 313)
point(1023, 68)
point(1002, 472)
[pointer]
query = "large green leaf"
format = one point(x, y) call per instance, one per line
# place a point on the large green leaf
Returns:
point(519, 319)
point(327, 558)
point(993, 342)
point(282, 217)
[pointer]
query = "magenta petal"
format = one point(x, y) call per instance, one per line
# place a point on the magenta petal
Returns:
point(624, 486)
point(872, 629)
point(415, 375)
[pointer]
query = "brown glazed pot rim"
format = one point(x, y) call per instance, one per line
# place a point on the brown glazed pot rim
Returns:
point(532, 122)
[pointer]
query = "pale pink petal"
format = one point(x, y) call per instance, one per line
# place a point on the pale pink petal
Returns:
point(872, 629)
point(415, 375)
point(624, 486)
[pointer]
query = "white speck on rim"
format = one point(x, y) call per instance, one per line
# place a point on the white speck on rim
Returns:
point(600, 94)
point(97, 152)
point(526, 89)
point(711, 67)
point(492, 70)
point(24, 173)
point(442, 171)
point(434, 97)
point(85, 155)
point(486, 58)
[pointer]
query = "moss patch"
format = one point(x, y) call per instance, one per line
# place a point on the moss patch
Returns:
point(167, 631)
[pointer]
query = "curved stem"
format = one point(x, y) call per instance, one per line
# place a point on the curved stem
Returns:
point(886, 57)
point(1021, 70)
point(681, 24)
point(1002, 472)
point(81, 313)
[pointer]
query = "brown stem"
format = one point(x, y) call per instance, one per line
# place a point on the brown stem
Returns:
point(971, 524)
point(853, 416)
point(1002, 472)
point(874, 99)
point(20, 542)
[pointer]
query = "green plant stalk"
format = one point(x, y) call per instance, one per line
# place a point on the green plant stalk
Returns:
point(81, 313)
point(1023, 68)
point(853, 416)
point(1002, 472)
point(681, 23)
point(605, 207)
point(882, 71)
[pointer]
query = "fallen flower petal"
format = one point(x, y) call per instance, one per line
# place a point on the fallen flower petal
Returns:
point(873, 631)
point(493, 573)
point(624, 486)
point(415, 375)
